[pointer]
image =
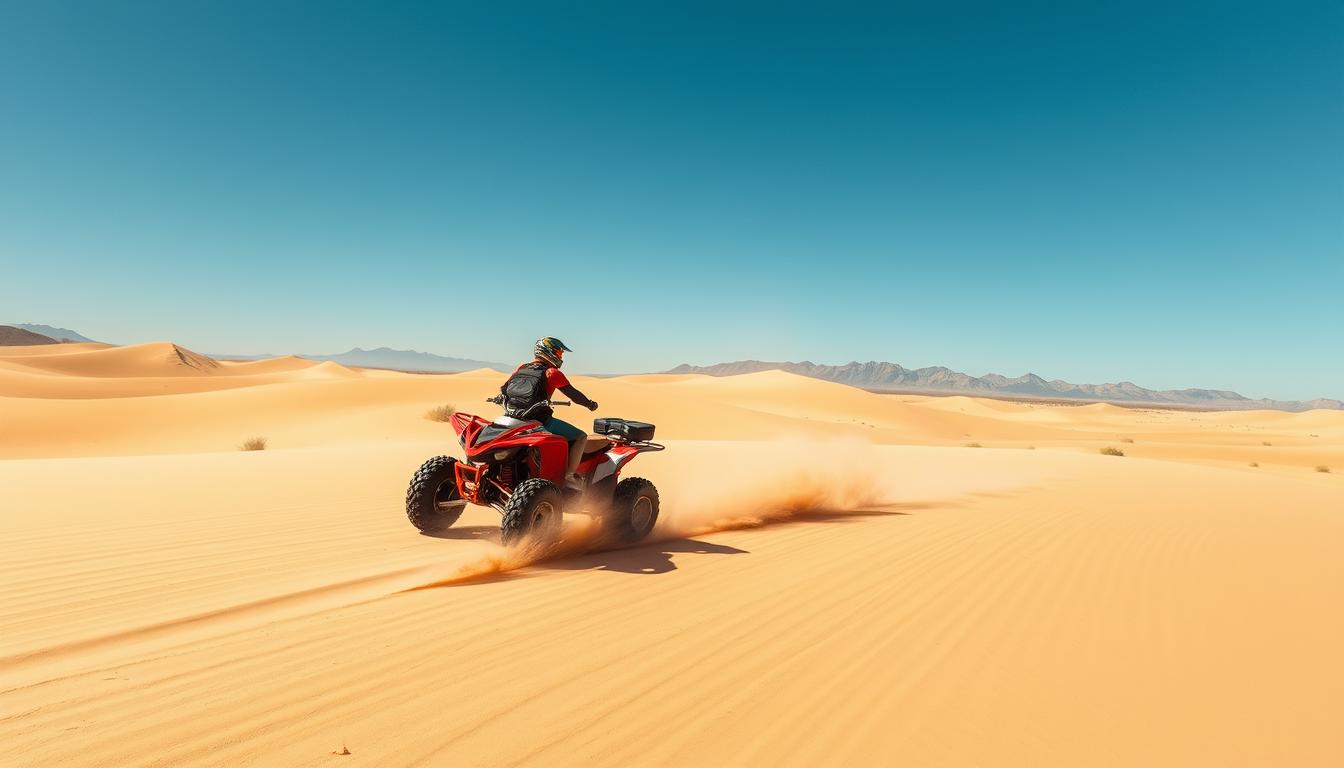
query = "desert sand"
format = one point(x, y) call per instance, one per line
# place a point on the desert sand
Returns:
point(838, 578)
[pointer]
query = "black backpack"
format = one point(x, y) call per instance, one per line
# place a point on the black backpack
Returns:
point(524, 389)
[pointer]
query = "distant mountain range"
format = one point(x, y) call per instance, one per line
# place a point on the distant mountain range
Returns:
point(392, 359)
point(59, 334)
point(14, 336)
point(407, 360)
point(939, 380)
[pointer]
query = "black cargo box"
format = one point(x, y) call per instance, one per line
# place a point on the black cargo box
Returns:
point(634, 431)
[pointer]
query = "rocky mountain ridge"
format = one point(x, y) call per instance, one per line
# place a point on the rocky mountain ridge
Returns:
point(877, 375)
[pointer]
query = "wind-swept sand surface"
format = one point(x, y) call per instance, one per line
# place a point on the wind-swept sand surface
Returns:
point(836, 579)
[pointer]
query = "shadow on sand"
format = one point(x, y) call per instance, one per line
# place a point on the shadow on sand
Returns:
point(466, 533)
point(641, 558)
point(659, 555)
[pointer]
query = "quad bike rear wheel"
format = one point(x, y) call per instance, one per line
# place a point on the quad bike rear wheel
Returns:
point(534, 510)
point(432, 500)
point(634, 510)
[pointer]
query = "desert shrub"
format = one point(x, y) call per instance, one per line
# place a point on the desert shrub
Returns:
point(1126, 439)
point(254, 444)
point(1111, 450)
point(440, 413)
point(1253, 464)
point(974, 445)
point(1322, 468)
point(1266, 443)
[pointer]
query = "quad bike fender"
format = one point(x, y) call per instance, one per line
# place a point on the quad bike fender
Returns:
point(553, 452)
point(608, 464)
point(467, 427)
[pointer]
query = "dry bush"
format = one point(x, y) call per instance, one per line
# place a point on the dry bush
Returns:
point(974, 445)
point(1322, 468)
point(1253, 464)
point(1126, 439)
point(1266, 443)
point(1111, 450)
point(254, 444)
point(440, 413)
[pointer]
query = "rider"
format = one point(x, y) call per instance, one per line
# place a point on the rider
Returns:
point(537, 381)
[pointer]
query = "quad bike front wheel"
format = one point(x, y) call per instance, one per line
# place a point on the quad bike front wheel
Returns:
point(432, 500)
point(534, 510)
point(634, 510)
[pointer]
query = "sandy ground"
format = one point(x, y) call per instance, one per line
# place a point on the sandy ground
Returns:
point(837, 579)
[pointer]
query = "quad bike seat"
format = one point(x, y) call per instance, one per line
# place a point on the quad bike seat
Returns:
point(596, 444)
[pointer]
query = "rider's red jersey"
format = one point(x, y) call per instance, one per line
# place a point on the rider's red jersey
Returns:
point(554, 378)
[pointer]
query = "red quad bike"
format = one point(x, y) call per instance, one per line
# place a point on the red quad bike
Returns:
point(518, 468)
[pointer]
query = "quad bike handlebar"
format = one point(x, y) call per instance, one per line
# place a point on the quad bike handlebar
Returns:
point(499, 400)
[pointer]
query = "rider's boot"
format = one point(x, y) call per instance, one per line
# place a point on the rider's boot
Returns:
point(572, 480)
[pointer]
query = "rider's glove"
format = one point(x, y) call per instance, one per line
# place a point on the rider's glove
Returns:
point(592, 405)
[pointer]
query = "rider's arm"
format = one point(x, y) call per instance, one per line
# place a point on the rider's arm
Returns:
point(559, 381)
point(578, 397)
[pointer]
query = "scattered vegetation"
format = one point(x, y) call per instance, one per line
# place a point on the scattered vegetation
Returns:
point(1253, 464)
point(1266, 443)
point(974, 445)
point(1031, 447)
point(1322, 468)
point(1111, 450)
point(254, 444)
point(440, 413)
point(1126, 439)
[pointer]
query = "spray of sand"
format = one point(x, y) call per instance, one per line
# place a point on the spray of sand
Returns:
point(747, 486)
point(723, 486)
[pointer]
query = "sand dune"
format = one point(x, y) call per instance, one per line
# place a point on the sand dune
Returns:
point(836, 579)
point(43, 350)
point(154, 359)
point(97, 371)
point(269, 365)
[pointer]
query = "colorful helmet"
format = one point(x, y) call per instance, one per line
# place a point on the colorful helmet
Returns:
point(552, 350)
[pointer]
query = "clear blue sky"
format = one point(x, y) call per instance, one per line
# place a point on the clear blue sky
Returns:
point(1089, 191)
